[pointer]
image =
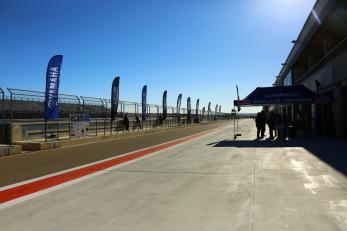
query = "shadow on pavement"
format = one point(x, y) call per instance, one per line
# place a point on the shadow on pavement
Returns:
point(331, 151)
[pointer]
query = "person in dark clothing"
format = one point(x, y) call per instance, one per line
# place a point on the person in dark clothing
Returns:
point(126, 121)
point(271, 122)
point(279, 126)
point(285, 126)
point(262, 123)
point(258, 124)
point(138, 122)
point(277, 121)
point(160, 119)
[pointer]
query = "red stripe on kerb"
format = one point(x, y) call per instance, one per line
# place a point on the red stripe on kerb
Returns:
point(39, 185)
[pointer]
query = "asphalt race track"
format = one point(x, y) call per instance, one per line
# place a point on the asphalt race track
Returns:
point(206, 182)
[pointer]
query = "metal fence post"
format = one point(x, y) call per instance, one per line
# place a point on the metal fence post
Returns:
point(96, 127)
point(104, 127)
point(11, 103)
point(57, 129)
point(149, 115)
point(83, 105)
point(2, 103)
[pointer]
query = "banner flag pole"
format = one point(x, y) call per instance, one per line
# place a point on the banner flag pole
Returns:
point(179, 101)
point(164, 105)
point(114, 100)
point(52, 89)
point(144, 103)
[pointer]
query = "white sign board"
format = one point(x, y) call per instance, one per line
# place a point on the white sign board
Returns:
point(79, 125)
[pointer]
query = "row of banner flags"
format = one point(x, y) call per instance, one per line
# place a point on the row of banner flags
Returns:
point(52, 92)
point(115, 101)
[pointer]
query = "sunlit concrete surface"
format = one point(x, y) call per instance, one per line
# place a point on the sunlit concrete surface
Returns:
point(212, 183)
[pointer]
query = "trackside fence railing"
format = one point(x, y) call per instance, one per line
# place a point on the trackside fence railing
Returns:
point(26, 108)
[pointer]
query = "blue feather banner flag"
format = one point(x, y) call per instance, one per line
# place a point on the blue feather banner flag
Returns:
point(52, 87)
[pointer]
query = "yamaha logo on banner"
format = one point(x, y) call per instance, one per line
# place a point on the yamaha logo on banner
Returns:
point(164, 105)
point(144, 102)
point(52, 87)
point(114, 98)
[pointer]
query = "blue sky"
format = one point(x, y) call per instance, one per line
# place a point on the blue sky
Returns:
point(200, 48)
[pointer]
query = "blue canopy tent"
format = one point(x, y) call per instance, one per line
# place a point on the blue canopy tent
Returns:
point(280, 95)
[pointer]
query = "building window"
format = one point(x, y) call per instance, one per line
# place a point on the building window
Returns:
point(288, 80)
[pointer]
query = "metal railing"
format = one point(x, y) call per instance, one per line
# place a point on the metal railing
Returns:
point(95, 107)
point(26, 104)
point(27, 108)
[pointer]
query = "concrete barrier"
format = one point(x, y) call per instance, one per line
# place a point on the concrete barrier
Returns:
point(6, 150)
point(41, 145)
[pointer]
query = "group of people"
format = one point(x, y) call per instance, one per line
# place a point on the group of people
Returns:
point(272, 119)
point(281, 126)
point(127, 122)
point(138, 124)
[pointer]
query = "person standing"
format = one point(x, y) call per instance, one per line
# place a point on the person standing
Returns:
point(138, 122)
point(262, 123)
point(276, 122)
point(160, 120)
point(258, 124)
point(126, 121)
point(271, 121)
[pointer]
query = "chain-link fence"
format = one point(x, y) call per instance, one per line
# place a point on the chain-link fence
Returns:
point(26, 104)
point(95, 107)
point(26, 108)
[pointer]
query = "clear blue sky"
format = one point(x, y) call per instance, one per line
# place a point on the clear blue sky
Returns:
point(200, 48)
